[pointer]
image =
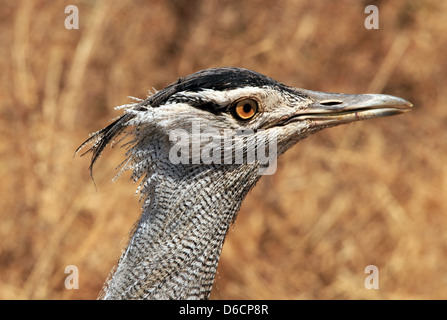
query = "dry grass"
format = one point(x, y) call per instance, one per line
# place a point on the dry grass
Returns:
point(368, 193)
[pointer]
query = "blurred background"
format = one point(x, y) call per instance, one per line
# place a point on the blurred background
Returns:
point(369, 193)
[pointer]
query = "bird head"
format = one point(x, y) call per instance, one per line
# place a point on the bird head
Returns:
point(218, 109)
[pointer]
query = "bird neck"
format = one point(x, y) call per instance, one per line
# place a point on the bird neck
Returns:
point(175, 249)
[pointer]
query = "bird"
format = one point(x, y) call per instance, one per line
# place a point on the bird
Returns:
point(195, 148)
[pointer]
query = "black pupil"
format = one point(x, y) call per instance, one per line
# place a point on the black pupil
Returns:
point(247, 108)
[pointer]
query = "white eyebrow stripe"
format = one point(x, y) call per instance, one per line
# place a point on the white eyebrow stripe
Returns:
point(221, 97)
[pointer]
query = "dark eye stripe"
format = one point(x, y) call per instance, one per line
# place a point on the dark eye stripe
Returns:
point(198, 103)
point(211, 107)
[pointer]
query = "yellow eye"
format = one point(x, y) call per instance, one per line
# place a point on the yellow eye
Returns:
point(245, 109)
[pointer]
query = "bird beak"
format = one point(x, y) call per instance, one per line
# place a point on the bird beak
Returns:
point(339, 108)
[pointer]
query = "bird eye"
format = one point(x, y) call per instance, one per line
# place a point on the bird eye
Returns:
point(245, 109)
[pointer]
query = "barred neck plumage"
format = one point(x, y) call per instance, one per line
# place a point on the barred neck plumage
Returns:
point(175, 249)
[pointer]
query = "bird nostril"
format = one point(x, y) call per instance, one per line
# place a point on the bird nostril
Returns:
point(330, 102)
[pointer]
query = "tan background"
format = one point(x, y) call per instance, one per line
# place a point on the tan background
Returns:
point(368, 193)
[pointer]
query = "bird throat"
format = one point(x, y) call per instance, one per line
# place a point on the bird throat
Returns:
point(175, 248)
